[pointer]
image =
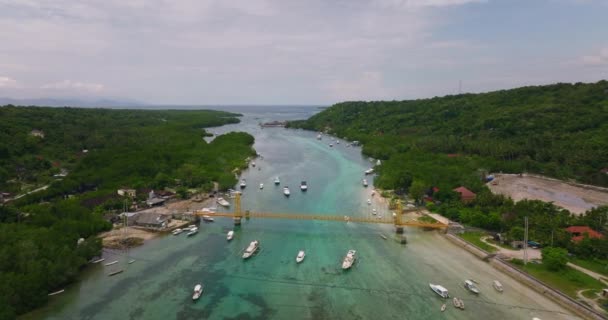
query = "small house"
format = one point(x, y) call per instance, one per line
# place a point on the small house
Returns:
point(124, 192)
point(37, 133)
point(153, 220)
point(466, 195)
point(578, 233)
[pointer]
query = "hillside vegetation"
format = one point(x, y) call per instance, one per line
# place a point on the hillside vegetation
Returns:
point(557, 130)
point(93, 152)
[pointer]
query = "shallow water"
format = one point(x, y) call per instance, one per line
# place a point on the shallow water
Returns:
point(389, 281)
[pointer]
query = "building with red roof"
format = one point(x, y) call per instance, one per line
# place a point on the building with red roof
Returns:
point(578, 233)
point(466, 195)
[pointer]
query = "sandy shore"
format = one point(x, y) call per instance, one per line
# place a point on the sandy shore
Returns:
point(575, 198)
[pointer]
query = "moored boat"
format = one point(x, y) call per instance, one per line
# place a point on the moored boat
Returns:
point(497, 286)
point(369, 171)
point(253, 247)
point(383, 236)
point(111, 263)
point(98, 260)
point(230, 235)
point(349, 259)
point(192, 232)
point(441, 291)
point(198, 291)
point(443, 307)
point(365, 182)
point(318, 137)
point(374, 212)
point(331, 145)
point(277, 181)
point(261, 186)
point(115, 272)
point(456, 302)
point(300, 256)
point(222, 202)
point(56, 292)
point(243, 184)
point(286, 191)
point(207, 218)
point(469, 285)
point(369, 201)
point(303, 186)
point(177, 231)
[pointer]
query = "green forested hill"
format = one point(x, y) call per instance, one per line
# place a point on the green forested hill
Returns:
point(101, 150)
point(557, 130)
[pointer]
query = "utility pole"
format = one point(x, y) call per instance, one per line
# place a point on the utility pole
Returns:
point(526, 240)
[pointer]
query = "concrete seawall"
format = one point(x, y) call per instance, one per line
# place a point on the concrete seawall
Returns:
point(562, 299)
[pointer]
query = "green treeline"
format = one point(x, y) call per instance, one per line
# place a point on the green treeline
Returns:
point(557, 130)
point(100, 150)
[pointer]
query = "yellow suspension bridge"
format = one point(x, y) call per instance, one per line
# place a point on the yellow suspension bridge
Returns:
point(395, 220)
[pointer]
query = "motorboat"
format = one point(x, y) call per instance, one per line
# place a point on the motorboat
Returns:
point(98, 260)
point(469, 285)
point(337, 141)
point(303, 186)
point(222, 202)
point(230, 235)
point(253, 164)
point(277, 181)
point(383, 236)
point(286, 191)
point(497, 285)
point(318, 137)
point(253, 247)
point(243, 184)
point(456, 303)
point(373, 193)
point(261, 186)
point(349, 259)
point(192, 232)
point(191, 227)
point(177, 231)
point(111, 263)
point(365, 182)
point(300, 256)
point(331, 145)
point(374, 212)
point(369, 171)
point(198, 291)
point(369, 201)
point(207, 218)
point(131, 261)
point(441, 291)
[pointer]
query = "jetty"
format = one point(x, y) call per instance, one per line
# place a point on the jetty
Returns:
point(272, 124)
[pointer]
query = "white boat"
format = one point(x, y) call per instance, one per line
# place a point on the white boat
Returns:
point(383, 236)
point(365, 182)
point(497, 285)
point(369, 171)
point(192, 232)
point(331, 145)
point(191, 227)
point(243, 183)
point(111, 263)
point(261, 186)
point(207, 218)
point(443, 307)
point(286, 191)
point(337, 141)
point(277, 181)
point(253, 247)
point(369, 201)
point(253, 164)
point(198, 291)
point(56, 292)
point(99, 260)
point(349, 259)
point(441, 291)
point(374, 212)
point(222, 202)
point(230, 235)
point(177, 231)
point(300, 256)
point(469, 285)
point(303, 186)
point(131, 261)
point(373, 193)
point(318, 137)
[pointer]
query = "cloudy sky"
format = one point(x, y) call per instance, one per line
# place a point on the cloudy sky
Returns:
point(295, 52)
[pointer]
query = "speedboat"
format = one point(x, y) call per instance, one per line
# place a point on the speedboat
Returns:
point(286, 191)
point(365, 182)
point(374, 212)
point(441, 291)
point(177, 231)
point(469, 285)
point(349, 259)
point(222, 202)
point(207, 218)
point(261, 186)
point(369, 201)
point(253, 247)
point(243, 184)
point(253, 164)
point(230, 235)
point(300, 256)
point(331, 145)
point(497, 285)
point(303, 186)
point(369, 171)
point(191, 227)
point(192, 232)
point(318, 137)
point(277, 181)
point(111, 263)
point(198, 291)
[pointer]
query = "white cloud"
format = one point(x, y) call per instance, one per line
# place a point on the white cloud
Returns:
point(424, 3)
point(599, 59)
point(77, 85)
point(368, 85)
point(6, 82)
